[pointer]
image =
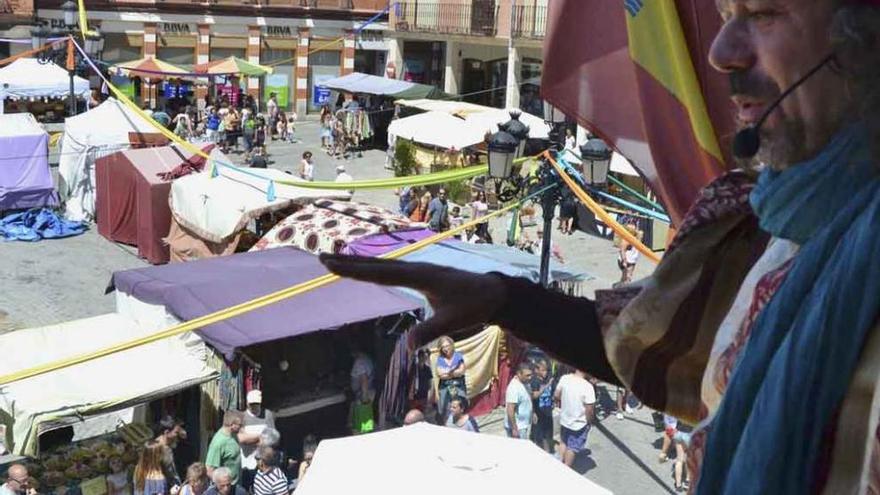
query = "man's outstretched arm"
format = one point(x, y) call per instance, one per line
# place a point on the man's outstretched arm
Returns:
point(566, 327)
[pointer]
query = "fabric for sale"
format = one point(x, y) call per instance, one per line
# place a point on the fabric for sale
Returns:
point(328, 226)
point(27, 78)
point(88, 136)
point(396, 460)
point(25, 179)
point(637, 74)
point(215, 208)
point(480, 354)
point(62, 397)
point(197, 288)
point(37, 224)
point(132, 200)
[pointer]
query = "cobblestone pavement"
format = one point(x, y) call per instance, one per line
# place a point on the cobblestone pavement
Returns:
point(55, 281)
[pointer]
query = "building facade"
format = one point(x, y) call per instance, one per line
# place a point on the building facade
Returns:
point(306, 41)
point(488, 50)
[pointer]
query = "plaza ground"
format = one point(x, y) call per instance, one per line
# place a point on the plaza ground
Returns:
point(55, 281)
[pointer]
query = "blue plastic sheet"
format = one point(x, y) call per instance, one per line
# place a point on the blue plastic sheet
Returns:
point(37, 224)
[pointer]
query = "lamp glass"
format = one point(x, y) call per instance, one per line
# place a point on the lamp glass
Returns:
point(500, 164)
point(552, 114)
point(70, 9)
point(36, 37)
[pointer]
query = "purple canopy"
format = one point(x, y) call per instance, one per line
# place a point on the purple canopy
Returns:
point(196, 288)
point(25, 179)
point(379, 244)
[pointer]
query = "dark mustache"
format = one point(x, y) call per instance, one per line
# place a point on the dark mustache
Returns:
point(749, 84)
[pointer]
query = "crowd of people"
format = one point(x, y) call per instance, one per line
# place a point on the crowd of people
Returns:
point(232, 127)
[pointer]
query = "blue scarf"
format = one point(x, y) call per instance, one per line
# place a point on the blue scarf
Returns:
point(794, 371)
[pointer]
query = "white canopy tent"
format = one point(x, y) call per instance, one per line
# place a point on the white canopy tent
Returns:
point(99, 132)
point(27, 78)
point(435, 128)
point(117, 381)
point(215, 208)
point(488, 120)
point(395, 461)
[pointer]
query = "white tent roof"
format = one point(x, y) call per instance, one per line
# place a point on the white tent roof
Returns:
point(449, 106)
point(108, 383)
point(218, 207)
point(87, 137)
point(436, 129)
point(488, 122)
point(19, 124)
point(395, 461)
point(28, 78)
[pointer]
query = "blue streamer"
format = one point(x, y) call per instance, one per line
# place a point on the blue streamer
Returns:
point(270, 192)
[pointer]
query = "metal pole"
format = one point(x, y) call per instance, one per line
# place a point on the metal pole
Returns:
point(548, 204)
point(71, 98)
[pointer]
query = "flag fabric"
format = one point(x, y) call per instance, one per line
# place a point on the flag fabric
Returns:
point(636, 73)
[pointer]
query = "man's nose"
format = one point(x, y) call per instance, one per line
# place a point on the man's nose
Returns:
point(732, 49)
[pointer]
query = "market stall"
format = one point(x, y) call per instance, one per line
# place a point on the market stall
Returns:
point(105, 129)
point(359, 83)
point(438, 129)
point(210, 213)
point(28, 85)
point(328, 226)
point(25, 178)
point(132, 195)
point(296, 350)
point(395, 461)
point(37, 405)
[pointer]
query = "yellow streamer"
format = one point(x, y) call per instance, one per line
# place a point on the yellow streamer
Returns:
point(83, 20)
point(237, 310)
point(600, 213)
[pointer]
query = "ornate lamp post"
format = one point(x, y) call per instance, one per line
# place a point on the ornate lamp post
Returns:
point(67, 56)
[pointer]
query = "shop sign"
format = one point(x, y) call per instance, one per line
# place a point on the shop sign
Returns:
point(280, 85)
point(176, 28)
point(278, 31)
point(54, 23)
point(320, 94)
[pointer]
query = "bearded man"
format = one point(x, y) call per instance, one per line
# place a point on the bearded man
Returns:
point(761, 322)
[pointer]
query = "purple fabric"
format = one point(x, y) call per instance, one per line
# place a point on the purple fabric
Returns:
point(25, 179)
point(196, 288)
point(379, 244)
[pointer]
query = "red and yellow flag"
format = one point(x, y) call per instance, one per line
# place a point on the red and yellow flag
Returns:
point(636, 72)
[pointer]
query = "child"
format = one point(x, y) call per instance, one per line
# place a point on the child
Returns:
point(291, 127)
point(118, 482)
point(455, 220)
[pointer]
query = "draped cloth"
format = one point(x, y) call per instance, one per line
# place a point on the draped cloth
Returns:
point(800, 410)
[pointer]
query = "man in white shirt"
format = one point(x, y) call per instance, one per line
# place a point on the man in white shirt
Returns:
point(256, 419)
point(17, 481)
point(519, 417)
point(577, 399)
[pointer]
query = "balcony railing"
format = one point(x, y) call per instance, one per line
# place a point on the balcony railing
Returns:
point(477, 19)
point(529, 21)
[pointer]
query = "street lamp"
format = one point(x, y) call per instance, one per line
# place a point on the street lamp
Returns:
point(518, 130)
point(596, 160)
point(503, 147)
point(94, 44)
point(69, 9)
point(555, 119)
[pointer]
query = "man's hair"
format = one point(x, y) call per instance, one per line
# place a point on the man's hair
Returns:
point(268, 455)
point(167, 423)
point(855, 39)
point(231, 416)
point(220, 473)
point(523, 366)
point(270, 437)
point(462, 401)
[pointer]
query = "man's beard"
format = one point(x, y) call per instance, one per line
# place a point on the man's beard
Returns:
point(780, 147)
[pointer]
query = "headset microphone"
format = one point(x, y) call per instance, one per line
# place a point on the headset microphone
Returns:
point(747, 141)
